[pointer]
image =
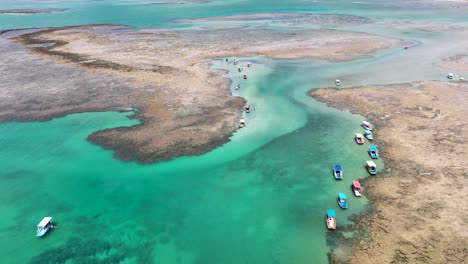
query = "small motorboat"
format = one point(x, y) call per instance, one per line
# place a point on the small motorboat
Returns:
point(357, 190)
point(331, 219)
point(342, 201)
point(44, 226)
point(338, 172)
point(239, 69)
point(244, 75)
point(238, 86)
point(235, 62)
point(371, 167)
point(337, 82)
point(359, 138)
point(242, 123)
point(368, 135)
point(249, 64)
point(247, 108)
point(366, 125)
point(373, 152)
point(450, 76)
point(461, 78)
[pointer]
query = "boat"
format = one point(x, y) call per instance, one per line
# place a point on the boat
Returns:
point(249, 64)
point(357, 190)
point(342, 201)
point(359, 138)
point(368, 135)
point(235, 62)
point(331, 219)
point(338, 172)
point(242, 123)
point(450, 76)
point(244, 75)
point(461, 78)
point(239, 69)
point(238, 86)
point(337, 82)
point(366, 125)
point(44, 226)
point(373, 152)
point(371, 167)
point(247, 108)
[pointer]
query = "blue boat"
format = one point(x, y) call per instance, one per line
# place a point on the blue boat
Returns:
point(373, 152)
point(342, 200)
point(368, 135)
point(338, 172)
point(238, 86)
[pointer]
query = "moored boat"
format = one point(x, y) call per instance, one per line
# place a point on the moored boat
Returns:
point(238, 86)
point(242, 123)
point(357, 190)
point(368, 135)
point(338, 172)
point(450, 76)
point(366, 125)
point(342, 201)
point(359, 138)
point(247, 108)
point(371, 167)
point(373, 152)
point(331, 219)
point(337, 82)
point(244, 75)
point(44, 226)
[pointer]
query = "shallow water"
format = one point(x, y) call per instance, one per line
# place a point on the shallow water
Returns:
point(260, 198)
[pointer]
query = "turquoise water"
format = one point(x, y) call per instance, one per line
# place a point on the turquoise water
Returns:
point(260, 198)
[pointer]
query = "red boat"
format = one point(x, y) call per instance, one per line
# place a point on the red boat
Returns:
point(247, 108)
point(359, 138)
point(357, 190)
point(244, 75)
point(331, 219)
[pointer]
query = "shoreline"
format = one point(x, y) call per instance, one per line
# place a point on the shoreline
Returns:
point(185, 107)
point(416, 167)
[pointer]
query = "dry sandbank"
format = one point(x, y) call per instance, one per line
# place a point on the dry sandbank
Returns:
point(185, 107)
point(417, 215)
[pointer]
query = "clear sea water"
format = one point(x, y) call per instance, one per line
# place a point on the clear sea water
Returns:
point(260, 198)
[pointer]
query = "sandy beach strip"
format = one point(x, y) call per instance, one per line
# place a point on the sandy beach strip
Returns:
point(417, 211)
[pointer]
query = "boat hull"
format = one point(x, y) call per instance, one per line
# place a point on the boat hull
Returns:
point(331, 223)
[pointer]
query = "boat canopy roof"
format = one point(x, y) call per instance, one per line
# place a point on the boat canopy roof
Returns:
point(373, 148)
point(338, 167)
point(331, 212)
point(366, 123)
point(358, 135)
point(367, 131)
point(44, 221)
point(356, 184)
point(242, 121)
point(341, 196)
point(370, 163)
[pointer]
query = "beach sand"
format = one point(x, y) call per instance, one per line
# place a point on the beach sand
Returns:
point(185, 107)
point(418, 213)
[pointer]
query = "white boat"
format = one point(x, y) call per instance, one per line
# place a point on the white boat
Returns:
point(366, 125)
point(371, 167)
point(337, 82)
point(44, 226)
point(242, 123)
point(450, 76)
